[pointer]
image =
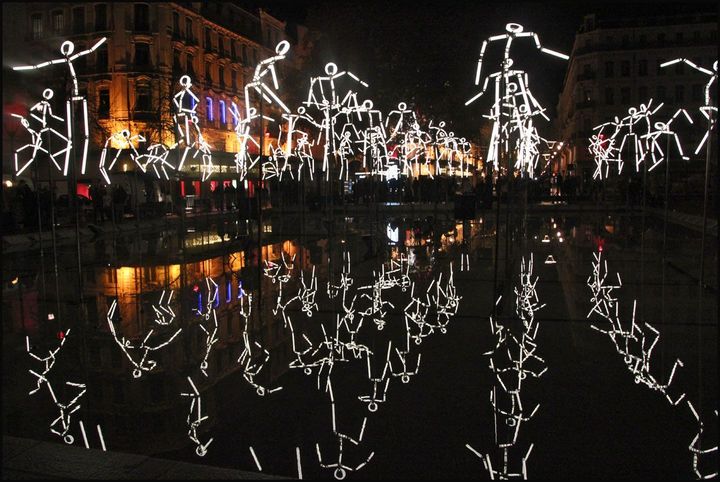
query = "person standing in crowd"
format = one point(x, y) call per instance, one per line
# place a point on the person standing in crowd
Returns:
point(97, 194)
point(119, 200)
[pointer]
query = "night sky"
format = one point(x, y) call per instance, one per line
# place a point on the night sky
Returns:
point(425, 52)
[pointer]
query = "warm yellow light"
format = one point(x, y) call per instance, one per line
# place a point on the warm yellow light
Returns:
point(8, 183)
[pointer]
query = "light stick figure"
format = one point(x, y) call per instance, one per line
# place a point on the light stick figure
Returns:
point(261, 70)
point(195, 418)
point(654, 147)
point(323, 96)
point(41, 114)
point(707, 109)
point(513, 31)
point(144, 348)
point(244, 160)
point(188, 128)
point(66, 49)
point(341, 469)
point(124, 141)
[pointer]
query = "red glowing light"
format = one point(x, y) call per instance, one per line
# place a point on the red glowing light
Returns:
point(61, 335)
point(196, 288)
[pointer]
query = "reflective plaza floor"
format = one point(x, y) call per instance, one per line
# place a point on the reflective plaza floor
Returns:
point(373, 323)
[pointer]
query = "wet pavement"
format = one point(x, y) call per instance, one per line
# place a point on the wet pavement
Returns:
point(596, 415)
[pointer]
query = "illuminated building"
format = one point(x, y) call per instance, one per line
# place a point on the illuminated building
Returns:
point(615, 64)
point(131, 79)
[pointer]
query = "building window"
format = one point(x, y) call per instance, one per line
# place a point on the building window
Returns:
point(221, 110)
point(625, 68)
point(221, 45)
point(696, 35)
point(142, 54)
point(679, 38)
point(104, 104)
point(101, 58)
point(78, 19)
point(609, 69)
point(58, 22)
point(679, 93)
point(660, 93)
point(244, 55)
point(642, 67)
point(660, 70)
point(236, 118)
point(36, 26)
point(177, 66)
point(176, 23)
point(209, 114)
point(609, 96)
point(101, 17)
point(625, 40)
point(642, 93)
point(697, 93)
point(189, 62)
point(142, 17)
point(80, 62)
point(625, 95)
point(221, 76)
point(208, 39)
point(189, 28)
point(661, 38)
point(208, 76)
point(232, 50)
point(142, 98)
point(233, 80)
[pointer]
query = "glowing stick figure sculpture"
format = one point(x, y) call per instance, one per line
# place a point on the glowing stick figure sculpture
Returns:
point(696, 449)
point(516, 82)
point(143, 364)
point(41, 114)
point(66, 49)
point(61, 425)
point(188, 128)
point(323, 96)
point(195, 418)
point(244, 160)
point(654, 148)
point(635, 344)
point(156, 156)
point(125, 141)
point(210, 315)
point(341, 469)
point(708, 109)
point(261, 70)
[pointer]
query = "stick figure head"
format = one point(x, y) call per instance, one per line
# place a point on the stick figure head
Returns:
point(331, 68)
point(282, 48)
point(67, 48)
point(48, 94)
point(402, 106)
point(513, 28)
point(368, 104)
point(185, 81)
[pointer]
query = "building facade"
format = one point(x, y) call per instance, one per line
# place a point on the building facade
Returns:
point(130, 80)
point(615, 65)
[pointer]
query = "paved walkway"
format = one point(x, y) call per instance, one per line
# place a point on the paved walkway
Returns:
point(30, 459)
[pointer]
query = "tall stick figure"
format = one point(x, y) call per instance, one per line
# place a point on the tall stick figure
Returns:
point(66, 49)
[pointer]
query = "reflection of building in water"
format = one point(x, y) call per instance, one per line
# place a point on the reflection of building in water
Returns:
point(151, 405)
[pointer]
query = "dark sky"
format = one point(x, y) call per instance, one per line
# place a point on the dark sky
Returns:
point(425, 52)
